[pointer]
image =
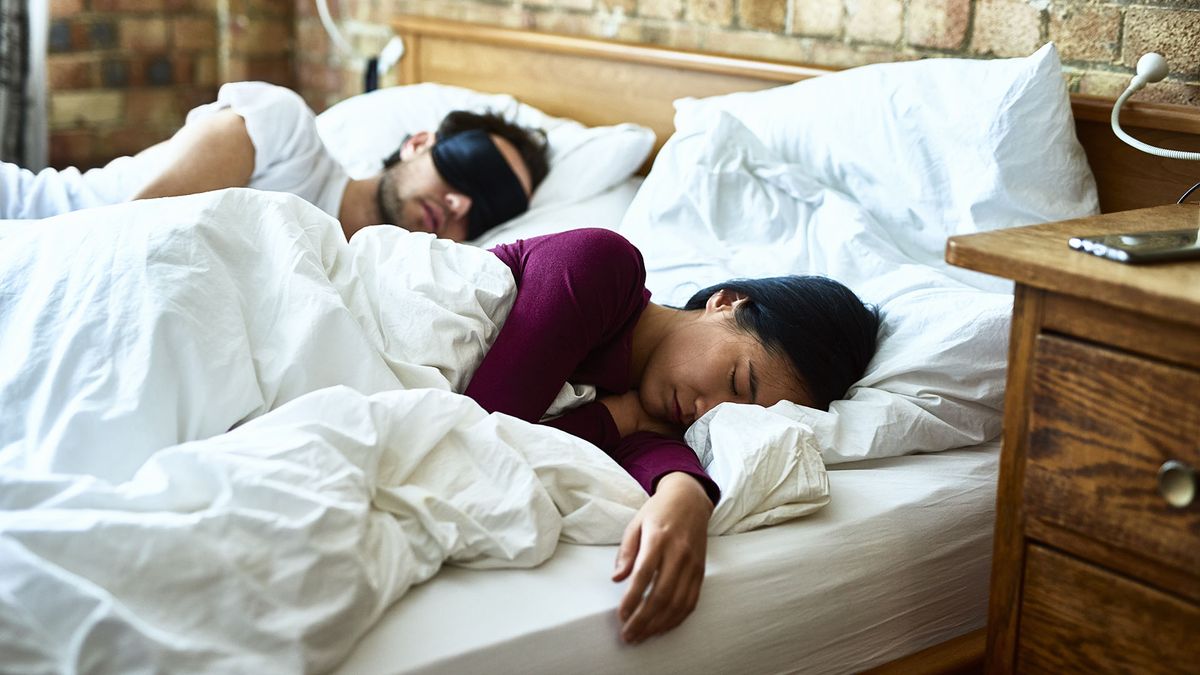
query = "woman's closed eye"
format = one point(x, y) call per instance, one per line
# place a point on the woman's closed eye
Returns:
point(749, 387)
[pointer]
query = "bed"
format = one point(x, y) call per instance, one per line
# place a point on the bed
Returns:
point(897, 584)
point(891, 573)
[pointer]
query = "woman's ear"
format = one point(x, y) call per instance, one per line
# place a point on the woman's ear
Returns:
point(724, 300)
point(416, 143)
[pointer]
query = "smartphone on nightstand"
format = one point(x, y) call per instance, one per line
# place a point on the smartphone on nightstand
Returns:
point(1142, 247)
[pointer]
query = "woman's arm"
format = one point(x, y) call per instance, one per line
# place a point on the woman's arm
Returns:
point(578, 292)
point(663, 549)
point(630, 417)
point(665, 545)
point(207, 154)
point(649, 448)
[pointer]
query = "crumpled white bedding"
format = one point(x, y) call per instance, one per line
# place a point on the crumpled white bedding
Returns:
point(719, 204)
point(149, 324)
point(137, 535)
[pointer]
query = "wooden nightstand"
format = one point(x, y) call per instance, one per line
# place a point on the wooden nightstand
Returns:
point(1093, 569)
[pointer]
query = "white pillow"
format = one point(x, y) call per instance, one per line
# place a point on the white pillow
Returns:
point(932, 148)
point(362, 130)
point(718, 204)
point(604, 210)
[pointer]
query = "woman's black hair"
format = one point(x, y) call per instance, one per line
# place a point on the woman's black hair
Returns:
point(822, 327)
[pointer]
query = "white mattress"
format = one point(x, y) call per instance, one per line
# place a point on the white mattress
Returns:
point(898, 561)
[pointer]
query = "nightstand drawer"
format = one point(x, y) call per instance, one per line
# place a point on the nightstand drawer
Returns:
point(1101, 426)
point(1080, 618)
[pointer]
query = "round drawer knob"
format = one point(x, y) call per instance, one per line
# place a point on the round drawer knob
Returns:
point(1177, 483)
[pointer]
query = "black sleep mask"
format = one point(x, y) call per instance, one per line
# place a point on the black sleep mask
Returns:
point(471, 162)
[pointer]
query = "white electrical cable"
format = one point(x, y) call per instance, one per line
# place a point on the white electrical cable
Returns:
point(332, 29)
point(1150, 68)
point(392, 51)
point(36, 135)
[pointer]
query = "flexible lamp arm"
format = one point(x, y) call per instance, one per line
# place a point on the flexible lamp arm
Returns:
point(1150, 68)
point(334, 34)
point(391, 54)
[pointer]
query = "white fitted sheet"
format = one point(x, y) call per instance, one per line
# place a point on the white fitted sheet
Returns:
point(898, 561)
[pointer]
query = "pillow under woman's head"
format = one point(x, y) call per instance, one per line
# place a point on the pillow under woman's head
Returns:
point(722, 202)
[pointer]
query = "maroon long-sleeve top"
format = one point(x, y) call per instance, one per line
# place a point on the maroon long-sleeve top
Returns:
point(579, 296)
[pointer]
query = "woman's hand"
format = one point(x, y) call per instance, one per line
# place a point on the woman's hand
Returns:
point(665, 544)
point(627, 411)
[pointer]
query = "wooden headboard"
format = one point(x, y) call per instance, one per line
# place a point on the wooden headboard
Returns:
point(605, 82)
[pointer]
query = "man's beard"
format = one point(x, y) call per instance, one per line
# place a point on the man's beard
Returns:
point(387, 199)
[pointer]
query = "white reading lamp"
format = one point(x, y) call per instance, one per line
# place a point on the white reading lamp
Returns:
point(1150, 68)
point(376, 66)
point(1177, 481)
point(1139, 247)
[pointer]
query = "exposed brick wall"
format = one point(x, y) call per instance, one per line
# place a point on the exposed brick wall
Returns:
point(1099, 40)
point(257, 39)
point(324, 75)
point(122, 74)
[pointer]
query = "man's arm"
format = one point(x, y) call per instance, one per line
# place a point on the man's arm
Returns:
point(208, 154)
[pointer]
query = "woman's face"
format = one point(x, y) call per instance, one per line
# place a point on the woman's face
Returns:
point(710, 361)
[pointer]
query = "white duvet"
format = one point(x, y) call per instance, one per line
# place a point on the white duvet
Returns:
point(139, 533)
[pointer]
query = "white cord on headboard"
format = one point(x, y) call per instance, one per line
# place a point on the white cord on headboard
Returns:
point(332, 29)
point(391, 54)
point(1150, 68)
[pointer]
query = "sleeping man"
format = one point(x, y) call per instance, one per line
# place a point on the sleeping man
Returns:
point(473, 173)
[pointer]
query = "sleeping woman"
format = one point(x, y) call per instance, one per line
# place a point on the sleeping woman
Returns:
point(582, 315)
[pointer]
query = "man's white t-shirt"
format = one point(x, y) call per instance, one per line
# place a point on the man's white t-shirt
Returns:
point(288, 157)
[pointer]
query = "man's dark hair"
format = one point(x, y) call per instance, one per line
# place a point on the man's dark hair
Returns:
point(530, 143)
point(824, 329)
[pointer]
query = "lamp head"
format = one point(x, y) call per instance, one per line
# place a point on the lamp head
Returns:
point(1151, 67)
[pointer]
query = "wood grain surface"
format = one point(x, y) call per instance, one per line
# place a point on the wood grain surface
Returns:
point(1008, 556)
point(1127, 178)
point(597, 82)
point(962, 655)
point(1040, 257)
point(1103, 387)
point(1102, 424)
point(1160, 338)
point(1077, 618)
point(601, 81)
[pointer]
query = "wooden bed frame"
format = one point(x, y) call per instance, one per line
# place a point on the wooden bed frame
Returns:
point(601, 82)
